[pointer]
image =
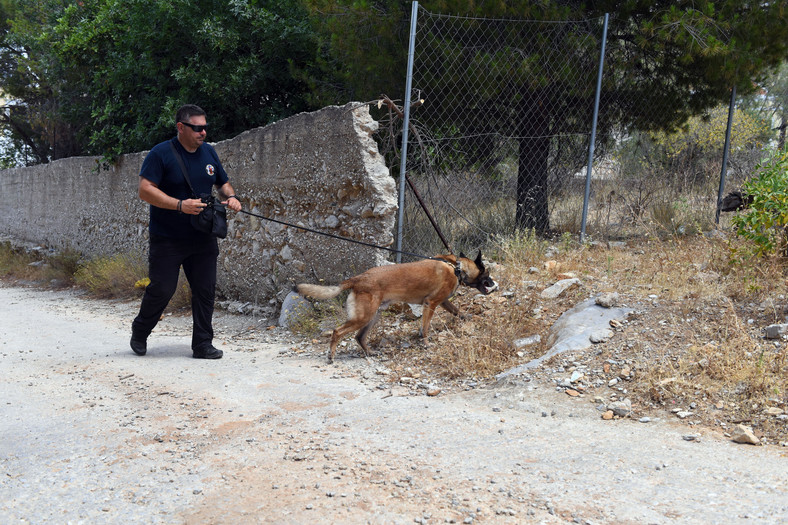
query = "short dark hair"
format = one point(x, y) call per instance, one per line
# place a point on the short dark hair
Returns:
point(188, 111)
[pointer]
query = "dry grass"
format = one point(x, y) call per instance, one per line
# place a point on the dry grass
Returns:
point(696, 339)
point(56, 270)
point(116, 277)
point(119, 277)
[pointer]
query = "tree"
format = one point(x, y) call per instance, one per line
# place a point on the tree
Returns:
point(665, 61)
point(105, 77)
point(139, 60)
point(34, 86)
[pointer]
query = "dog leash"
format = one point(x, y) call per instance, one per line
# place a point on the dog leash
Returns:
point(339, 237)
point(457, 267)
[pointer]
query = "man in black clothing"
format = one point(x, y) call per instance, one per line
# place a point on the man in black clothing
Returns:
point(174, 243)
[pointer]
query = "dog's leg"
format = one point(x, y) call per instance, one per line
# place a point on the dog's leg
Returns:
point(452, 309)
point(340, 333)
point(361, 336)
point(426, 317)
point(360, 311)
point(449, 306)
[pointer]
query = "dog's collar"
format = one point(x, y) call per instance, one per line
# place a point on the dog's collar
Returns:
point(458, 272)
point(461, 277)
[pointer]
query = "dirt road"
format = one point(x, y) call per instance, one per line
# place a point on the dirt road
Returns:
point(92, 433)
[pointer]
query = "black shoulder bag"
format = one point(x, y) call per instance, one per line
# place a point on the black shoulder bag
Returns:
point(213, 218)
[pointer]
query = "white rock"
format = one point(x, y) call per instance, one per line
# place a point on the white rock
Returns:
point(743, 434)
point(558, 288)
point(621, 408)
point(600, 336)
point(526, 341)
point(607, 299)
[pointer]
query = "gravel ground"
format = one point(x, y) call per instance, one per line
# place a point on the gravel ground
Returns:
point(94, 434)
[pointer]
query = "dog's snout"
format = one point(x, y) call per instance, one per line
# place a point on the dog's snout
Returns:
point(487, 285)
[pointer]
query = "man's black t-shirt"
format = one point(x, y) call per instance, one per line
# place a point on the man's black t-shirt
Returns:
point(162, 169)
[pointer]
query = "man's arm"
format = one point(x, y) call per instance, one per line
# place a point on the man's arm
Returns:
point(150, 193)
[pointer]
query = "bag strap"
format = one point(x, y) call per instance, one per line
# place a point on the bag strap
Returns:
point(183, 167)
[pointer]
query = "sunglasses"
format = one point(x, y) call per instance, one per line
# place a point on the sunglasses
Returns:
point(196, 128)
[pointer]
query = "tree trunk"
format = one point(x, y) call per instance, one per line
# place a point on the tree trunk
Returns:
point(534, 145)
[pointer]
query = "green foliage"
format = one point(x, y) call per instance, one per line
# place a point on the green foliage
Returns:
point(106, 76)
point(705, 134)
point(140, 61)
point(765, 220)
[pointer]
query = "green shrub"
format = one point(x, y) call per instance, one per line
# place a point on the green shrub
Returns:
point(765, 220)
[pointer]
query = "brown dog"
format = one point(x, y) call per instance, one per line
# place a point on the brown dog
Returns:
point(430, 282)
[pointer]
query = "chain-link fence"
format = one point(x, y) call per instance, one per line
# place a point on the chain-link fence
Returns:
point(500, 125)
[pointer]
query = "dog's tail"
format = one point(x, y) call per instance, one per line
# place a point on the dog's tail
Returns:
point(316, 291)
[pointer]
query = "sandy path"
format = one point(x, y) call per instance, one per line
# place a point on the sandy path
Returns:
point(93, 433)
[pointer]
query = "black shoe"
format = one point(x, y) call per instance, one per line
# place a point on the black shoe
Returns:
point(208, 352)
point(139, 345)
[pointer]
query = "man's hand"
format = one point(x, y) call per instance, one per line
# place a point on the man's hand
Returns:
point(233, 203)
point(192, 206)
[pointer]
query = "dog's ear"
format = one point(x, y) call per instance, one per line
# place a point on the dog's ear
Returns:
point(478, 261)
point(462, 256)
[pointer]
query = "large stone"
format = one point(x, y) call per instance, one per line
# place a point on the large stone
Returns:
point(293, 307)
point(776, 331)
point(607, 299)
point(621, 408)
point(573, 331)
point(743, 434)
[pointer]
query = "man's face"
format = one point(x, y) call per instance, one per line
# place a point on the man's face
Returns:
point(191, 139)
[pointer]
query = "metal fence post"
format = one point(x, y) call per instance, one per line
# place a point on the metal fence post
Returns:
point(593, 132)
point(406, 120)
point(725, 150)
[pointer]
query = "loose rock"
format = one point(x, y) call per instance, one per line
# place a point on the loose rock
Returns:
point(743, 434)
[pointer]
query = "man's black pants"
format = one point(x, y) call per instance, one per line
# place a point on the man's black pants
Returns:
point(165, 259)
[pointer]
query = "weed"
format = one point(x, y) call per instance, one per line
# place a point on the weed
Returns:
point(765, 221)
point(110, 277)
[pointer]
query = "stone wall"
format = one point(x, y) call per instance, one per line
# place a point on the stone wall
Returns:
point(319, 170)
